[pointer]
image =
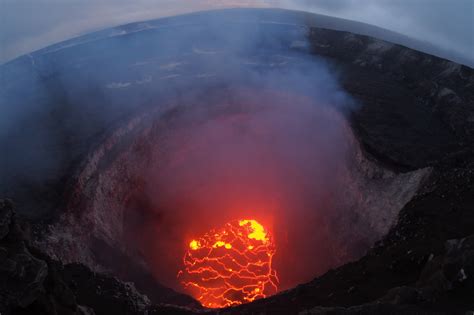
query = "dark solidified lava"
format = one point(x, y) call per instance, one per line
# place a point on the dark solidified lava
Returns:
point(414, 121)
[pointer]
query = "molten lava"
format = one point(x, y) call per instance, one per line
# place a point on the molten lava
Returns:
point(231, 265)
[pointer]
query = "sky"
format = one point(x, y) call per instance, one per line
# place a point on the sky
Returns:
point(28, 25)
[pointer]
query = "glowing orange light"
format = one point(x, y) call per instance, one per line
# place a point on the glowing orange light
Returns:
point(231, 265)
point(194, 245)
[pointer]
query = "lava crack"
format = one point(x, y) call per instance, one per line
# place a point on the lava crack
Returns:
point(231, 265)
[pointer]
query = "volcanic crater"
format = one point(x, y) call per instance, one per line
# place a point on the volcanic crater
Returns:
point(325, 139)
point(164, 178)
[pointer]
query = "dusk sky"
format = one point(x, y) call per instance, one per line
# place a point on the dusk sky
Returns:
point(28, 25)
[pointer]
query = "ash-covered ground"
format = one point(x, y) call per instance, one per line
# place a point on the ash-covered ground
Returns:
point(78, 112)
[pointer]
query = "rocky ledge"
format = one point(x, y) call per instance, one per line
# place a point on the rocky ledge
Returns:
point(33, 283)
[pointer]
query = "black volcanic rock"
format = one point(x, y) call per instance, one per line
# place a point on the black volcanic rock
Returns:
point(25, 278)
point(6, 214)
point(33, 283)
point(105, 295)
point(126, 269)
point(415, 109)
point(22, 275)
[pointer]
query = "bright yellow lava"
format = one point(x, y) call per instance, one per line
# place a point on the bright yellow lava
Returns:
point(221, 243)
point(258, 232)
point(194, 245)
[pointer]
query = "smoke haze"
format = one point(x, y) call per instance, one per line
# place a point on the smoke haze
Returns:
point(255, 128)
point(276, 157)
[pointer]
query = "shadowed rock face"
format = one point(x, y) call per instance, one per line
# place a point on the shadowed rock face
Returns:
point(414, 111)
point(33, 283)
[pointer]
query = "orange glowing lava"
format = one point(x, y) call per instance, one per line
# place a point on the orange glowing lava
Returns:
point(231, 265)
